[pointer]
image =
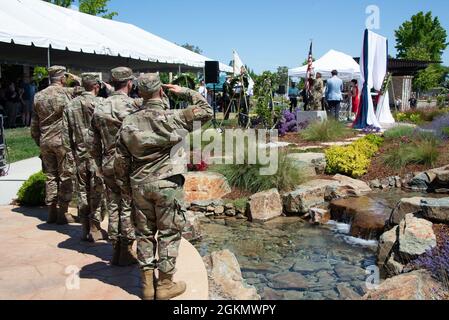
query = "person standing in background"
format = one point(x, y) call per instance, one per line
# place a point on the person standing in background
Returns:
point(334, 94)
point(355, 97)
point(203, 89)
point(29, 91)
point(293, 93)
point(12, 104)
point(317, 93)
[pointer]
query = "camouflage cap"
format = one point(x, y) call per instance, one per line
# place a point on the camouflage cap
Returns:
point(57, 71)
point(121, 74)
point(149, 83)
point(90, 77)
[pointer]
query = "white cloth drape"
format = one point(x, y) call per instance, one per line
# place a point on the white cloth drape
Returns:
point(377, 69)
point(383, 113)
point(238, 65)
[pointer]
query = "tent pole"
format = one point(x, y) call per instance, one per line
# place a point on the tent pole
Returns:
point(48, 62)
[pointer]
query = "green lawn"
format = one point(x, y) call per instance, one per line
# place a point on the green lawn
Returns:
point(20, 145)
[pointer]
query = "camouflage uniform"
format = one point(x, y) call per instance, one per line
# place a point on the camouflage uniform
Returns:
point(145, 171)
point(46, 130)
point(77, 119)
point(106, 123)
point(317, 95)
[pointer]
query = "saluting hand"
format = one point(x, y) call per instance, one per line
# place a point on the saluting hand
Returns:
point(173, 88)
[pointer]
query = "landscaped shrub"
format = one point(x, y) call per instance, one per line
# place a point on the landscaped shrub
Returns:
point(325, 131)
point(353, 160)
point(32, 192)
point(399, 132)
point(440, 126)
point(423, 150)
point(348, 160)
point(247, 176)
point(421, 115)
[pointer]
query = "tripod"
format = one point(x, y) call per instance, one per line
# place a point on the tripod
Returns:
point(241, 94)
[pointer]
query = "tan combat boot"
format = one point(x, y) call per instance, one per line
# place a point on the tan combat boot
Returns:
point(85, 229)
point(52, 214)
point(116, 253)
point(167, 289)
point(148, 285)
point(127, 255)
point(63, 215)
point(96, 233)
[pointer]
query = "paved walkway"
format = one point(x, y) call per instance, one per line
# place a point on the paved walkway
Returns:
point(42, 262)
point(19, 172)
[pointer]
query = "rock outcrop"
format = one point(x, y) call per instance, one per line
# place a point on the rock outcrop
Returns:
point(265, 206)
point(405, 207)
point(431, 180)
point(347, 187)
point(416, 236)
point(308, 195)
point(226, 277)
point(310, 163)
point(200, 186)
point(417, 285)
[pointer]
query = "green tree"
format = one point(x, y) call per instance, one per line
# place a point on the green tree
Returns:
point(282, 75)
point(92, 7)
point(423, 32)
point(423, 38)
point(192, 47)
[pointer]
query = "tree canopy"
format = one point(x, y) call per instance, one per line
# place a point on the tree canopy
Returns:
point(192, 47)
point(423, 38)
point(92, 7)
point(422, 33)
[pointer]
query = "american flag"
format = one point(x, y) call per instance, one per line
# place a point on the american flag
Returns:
point(309, 67)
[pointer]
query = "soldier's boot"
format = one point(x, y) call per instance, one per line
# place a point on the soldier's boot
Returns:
point(96, 232)
point(52, 214)
point(116, 253)
point(148, 282)
point(127, 255)
point(85, 229)
point(64, 217)
point(167, 289)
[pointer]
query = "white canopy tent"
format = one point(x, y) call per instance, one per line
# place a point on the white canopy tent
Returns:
point(346, 66)
point(35, 24)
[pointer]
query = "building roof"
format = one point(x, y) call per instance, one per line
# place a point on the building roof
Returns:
point(405, 67)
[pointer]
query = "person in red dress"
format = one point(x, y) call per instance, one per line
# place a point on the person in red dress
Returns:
point(355, 97)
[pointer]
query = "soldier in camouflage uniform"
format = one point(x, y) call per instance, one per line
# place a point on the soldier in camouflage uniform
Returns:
point(145, 170)
point(106, 123)
point(46, 130)
point(317, 93)
point(77, 119)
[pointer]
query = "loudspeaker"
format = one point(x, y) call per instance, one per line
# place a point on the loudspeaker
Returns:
point(282, 90)
point(212, 72)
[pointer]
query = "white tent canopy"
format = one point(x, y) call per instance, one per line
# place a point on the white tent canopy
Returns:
point(346, 66)
point(42, 25)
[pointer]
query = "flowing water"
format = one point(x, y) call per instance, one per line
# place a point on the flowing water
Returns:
point(288, 258)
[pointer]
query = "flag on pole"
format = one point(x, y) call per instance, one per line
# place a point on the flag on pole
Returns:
point(309, 74)
point(239, 67)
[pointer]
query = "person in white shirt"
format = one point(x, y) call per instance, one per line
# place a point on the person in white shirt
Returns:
point(203, 89)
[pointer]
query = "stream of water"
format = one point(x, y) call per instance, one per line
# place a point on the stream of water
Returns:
point(288, 258)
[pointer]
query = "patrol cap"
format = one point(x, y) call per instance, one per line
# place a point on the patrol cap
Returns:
point(149, 83)
point(90, 77)
point(122, 74)
point(57, 71)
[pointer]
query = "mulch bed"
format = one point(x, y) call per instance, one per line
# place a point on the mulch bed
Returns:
point(379, 170)
point(237, 193)
point(295, 138)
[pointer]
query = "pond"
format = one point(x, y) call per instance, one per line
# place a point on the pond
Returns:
point(290, 259)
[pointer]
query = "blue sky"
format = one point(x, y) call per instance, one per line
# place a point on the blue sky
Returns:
point(271, 33)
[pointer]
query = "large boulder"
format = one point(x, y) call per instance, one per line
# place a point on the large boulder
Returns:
point(201, 186)
point(422, 181)
point(347, 187)
point(311, 163)
point(436, 209)
point(308, 195)
point(404, 207)
point(416, 236)
point(226, 277)
point(386, 244)
point(418, 285)
point(265, 206)
point(366, 216)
